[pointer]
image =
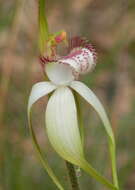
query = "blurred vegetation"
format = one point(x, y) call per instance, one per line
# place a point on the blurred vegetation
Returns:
point(110, 27)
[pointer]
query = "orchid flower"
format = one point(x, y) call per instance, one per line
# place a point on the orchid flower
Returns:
point(61, 117)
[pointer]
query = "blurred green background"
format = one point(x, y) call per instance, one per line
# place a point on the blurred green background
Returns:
point(110, 26)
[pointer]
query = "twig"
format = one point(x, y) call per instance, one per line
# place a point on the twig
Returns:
point(72, 176)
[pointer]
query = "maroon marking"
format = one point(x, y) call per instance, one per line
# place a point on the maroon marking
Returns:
point(45, 60)
point(80, 42)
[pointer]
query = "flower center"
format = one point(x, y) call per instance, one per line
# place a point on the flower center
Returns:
point(59, 74)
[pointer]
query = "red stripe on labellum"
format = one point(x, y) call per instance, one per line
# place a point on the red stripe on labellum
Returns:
point(45, 60)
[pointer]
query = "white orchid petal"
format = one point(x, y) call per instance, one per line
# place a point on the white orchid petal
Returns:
point(91, 98)
point(39, 90)
point(59, 74)
point(62, 126)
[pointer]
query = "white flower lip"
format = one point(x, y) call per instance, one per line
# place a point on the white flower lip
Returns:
point(59, 74)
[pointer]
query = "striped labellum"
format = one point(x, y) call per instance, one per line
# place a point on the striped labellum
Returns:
point(81, 57)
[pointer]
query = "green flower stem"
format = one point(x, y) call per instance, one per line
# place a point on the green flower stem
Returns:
point(43, 27)
point(113, 160)
point(72, 176)
point(92, 172)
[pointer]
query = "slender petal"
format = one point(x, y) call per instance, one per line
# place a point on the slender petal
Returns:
point(41, 89)
point(62, 126)
point(91, 98)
